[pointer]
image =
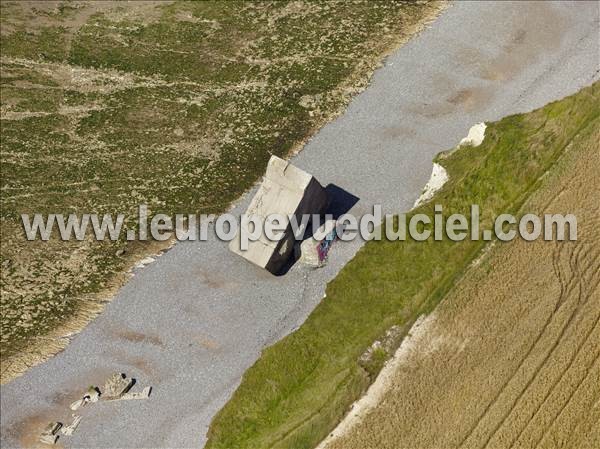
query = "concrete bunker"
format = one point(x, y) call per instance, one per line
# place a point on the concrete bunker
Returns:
point(288, 191)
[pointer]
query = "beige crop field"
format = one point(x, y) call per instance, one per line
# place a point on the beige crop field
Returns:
point(510, 357)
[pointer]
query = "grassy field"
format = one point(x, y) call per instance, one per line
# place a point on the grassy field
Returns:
point(536, 307)
point(178, 105)
point(302, 386)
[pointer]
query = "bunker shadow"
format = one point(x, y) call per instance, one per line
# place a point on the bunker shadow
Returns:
point(340, 202)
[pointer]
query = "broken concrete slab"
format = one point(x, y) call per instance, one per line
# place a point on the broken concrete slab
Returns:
point(92, 395)
point(68, 430)
point(115, 386)
point(314, 250)
point(288, 191)
point(50, 433)
point(144, 394)
point(75, 405)
point(48, 439)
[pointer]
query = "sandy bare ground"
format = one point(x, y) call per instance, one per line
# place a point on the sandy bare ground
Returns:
point(511, 357)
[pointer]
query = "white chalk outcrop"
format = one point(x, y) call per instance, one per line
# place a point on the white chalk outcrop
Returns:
point(439, 177)
point(475, 136)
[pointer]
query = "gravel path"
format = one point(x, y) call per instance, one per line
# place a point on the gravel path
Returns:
point(192, 322)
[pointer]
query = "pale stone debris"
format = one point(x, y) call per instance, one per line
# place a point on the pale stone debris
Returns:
point(309, 248)
point(50, 433)
point(146, 261)
point(77, 404)
point(92, 395)
point(68, 430)
point(144, 394)
point(115, 386)
point(285, 190)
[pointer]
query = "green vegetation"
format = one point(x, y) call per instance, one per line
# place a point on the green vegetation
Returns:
point(177, 105)
point(302, 386)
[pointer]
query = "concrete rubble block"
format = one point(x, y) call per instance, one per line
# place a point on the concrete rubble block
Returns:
point(68, 430)
point(50, 433)
point(144, 394)
point(314, 250)
point(75, 405)
point(92, 395)
point(116, 385)
point(285, 190)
